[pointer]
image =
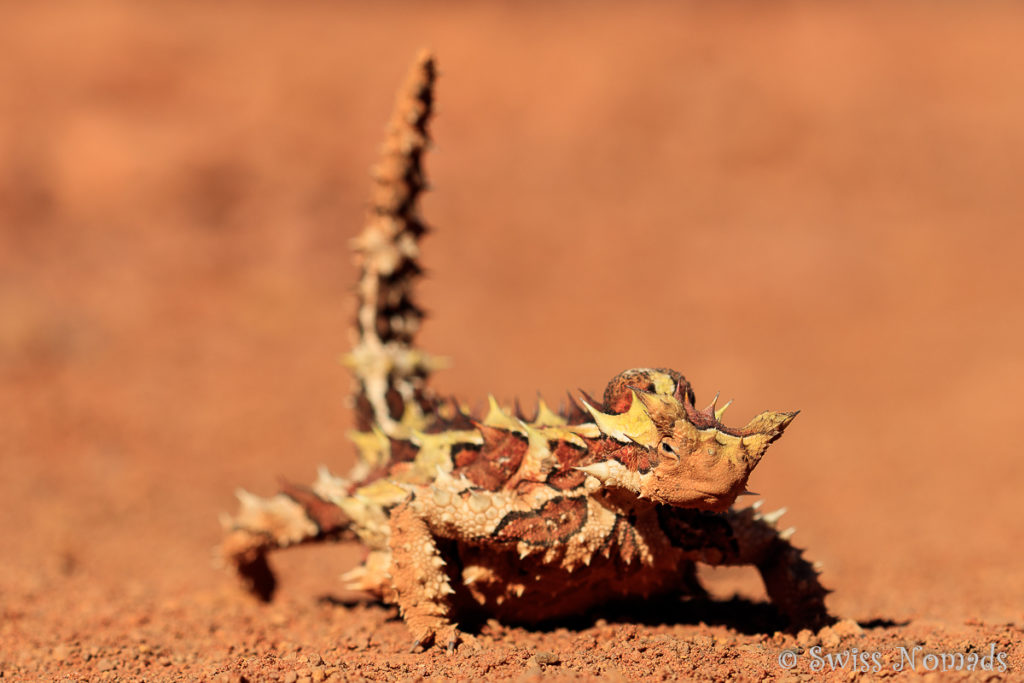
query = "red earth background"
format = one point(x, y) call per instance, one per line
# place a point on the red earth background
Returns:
point(813, 206)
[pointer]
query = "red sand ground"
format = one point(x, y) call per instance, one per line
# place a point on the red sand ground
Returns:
point(813, 207)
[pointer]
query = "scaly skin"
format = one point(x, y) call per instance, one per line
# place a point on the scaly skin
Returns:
point(527, 519)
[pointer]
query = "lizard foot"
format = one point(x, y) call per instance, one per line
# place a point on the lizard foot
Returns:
point(442, 632)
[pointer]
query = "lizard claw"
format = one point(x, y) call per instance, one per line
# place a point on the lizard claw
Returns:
point(447, 634)
point(452, 632)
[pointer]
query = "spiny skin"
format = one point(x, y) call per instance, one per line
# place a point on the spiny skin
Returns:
point(525, 518)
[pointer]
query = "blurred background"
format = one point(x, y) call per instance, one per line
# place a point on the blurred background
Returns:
point(813, 206)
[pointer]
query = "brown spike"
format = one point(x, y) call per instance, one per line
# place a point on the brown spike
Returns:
point(712, 407)
point(495, 437)
point(590, 399)
point(518, 410)
point(452, 416)
point(330, 519)
point(500, 456)
point(684, 393)
point(574, 413)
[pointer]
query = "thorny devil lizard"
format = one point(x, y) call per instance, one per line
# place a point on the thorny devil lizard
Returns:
point(526, 519)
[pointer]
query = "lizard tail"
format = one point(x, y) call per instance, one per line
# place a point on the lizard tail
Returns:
point(391, 397)
point(390, 372)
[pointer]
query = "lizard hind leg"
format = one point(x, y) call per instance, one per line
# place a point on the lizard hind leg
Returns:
point(294, 516)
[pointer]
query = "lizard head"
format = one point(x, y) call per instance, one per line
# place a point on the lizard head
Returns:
point(665, 449)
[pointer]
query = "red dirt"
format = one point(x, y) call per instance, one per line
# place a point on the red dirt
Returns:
point(804, 206)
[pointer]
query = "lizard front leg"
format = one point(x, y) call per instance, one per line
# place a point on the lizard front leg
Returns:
point(421, 586)
point(792, 583)
point(746, 537)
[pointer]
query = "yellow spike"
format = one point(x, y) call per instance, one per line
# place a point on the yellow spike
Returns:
point(435, 450)
point(473, 573)
point(496, 417)
point(373, 446)
point(381, 492)
point(633, 425)
point(769, 423)
point(412, 417)
point(444, 477)
point(330, 487)
point(661, 405)
point(723, 439)
point(721, 411)
point(441, 496)
point(587, 430)
point(773, 517)
point(480, 502)
point(248, 500)
point(559, 433)
point(448, 438)
point(538, 460)
point(353, 575)
point(599, 470)
point(547, 417)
